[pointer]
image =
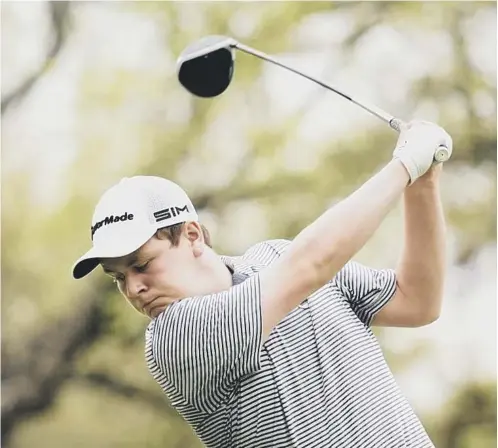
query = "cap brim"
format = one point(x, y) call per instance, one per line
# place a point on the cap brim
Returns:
point(88, 262)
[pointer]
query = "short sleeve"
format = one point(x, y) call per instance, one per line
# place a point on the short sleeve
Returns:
point(199, 347)
point(366, 289)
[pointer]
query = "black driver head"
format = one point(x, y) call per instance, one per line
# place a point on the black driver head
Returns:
point(205, 68)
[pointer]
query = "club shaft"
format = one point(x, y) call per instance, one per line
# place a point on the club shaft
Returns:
point(442, 154)
point(384, 116)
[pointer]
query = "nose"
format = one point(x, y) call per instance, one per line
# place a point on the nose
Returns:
point(135, 286)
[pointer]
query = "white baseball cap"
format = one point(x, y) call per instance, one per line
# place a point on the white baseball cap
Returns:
point(129, 213)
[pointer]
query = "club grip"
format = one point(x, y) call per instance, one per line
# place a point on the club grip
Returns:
point(442, 154)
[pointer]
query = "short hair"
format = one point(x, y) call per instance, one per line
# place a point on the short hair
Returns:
point(173, 233)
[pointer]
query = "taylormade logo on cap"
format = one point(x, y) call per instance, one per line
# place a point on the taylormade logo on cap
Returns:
point(160, 215)
point(111, 219)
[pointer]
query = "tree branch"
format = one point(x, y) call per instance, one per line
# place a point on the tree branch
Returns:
point(114, 385)
point(32, 379)
point(58, 13)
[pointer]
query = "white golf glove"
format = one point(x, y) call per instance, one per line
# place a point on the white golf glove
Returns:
point(417, 143)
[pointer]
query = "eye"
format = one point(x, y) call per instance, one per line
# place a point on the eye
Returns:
point(142, 267)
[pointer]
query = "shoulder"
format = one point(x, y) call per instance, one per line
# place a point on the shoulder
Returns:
point(186, 325)
point(198, 346)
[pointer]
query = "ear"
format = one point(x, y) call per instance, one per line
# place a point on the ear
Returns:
point(193, 232)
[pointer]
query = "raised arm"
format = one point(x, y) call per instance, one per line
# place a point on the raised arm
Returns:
point(420, 272)
point(325, 246)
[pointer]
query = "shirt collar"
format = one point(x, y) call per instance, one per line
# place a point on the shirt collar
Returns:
point(241, 268)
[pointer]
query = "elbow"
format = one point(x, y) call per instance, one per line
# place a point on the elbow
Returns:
point(428, 316)
point(423, 307)
point(430, 319)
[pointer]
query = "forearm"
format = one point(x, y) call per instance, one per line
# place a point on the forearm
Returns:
point(336, 236)
point(421, 269)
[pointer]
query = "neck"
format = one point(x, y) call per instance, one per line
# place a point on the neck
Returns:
point(219, 271)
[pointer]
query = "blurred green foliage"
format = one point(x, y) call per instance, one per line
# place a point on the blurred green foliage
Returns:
point(231, 157)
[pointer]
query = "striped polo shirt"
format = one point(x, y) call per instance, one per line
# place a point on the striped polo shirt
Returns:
point(319, 380)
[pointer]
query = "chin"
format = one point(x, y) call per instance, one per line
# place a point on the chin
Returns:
point(156, 311)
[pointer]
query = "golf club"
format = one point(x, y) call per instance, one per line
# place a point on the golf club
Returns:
point(205, 68)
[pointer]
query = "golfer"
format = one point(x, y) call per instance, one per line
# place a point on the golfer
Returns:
point(274, 348)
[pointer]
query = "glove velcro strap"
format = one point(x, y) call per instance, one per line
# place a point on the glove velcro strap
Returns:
point(410, 166)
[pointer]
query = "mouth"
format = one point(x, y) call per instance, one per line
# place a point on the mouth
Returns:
point(149, 306)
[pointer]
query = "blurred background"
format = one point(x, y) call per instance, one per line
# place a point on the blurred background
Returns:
point(90, 94)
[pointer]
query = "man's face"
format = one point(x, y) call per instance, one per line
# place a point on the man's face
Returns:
point(158, 274)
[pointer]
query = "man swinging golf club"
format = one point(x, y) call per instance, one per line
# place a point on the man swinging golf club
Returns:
point(273, 348)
